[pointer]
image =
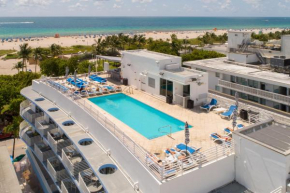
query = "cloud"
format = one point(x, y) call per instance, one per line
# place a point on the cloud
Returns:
point(116, 6)
point(32, 2)
point(2, 3)
point(77, 6)
point(142, 1)
point(256, 4)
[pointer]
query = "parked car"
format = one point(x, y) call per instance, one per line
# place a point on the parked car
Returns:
point(5, 135)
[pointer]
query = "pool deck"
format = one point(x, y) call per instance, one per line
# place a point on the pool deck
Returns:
point(203, 124)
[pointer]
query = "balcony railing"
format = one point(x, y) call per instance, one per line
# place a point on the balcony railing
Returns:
point(57, 141)
point(56, 169)
point(42, 151)
point(73, 160)
point(256, 92)
point(68, 186)
point(43, 127)
point(88, 182)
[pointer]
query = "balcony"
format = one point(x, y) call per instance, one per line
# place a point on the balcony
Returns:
point(28, 114)
point(89, 183)
point(43, 126)
point(68, 186)
point(57, 140)
point(256, 92)
point(56, 169)
point(43, 151)
point(73, 160)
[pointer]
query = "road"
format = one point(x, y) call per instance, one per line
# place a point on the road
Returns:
point(20, 146)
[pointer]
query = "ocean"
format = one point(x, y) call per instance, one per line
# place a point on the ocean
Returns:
point(12, 27)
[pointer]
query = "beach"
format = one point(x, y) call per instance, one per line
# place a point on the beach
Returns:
point(66, 41)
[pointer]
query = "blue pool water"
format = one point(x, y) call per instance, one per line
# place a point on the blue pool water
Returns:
point(142, 118)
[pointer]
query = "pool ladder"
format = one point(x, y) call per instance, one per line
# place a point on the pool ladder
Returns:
point(168, 133)
point(129, 90)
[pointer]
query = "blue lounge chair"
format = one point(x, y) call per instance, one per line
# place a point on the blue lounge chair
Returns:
point(190, 150)
point(98, 79)
point(217, 139)
point(208, 107)
point(229, 132)
point(229, 113)
point(167, 152)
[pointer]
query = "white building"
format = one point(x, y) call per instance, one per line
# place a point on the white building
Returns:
point(162, 75)
point(262, 158)
point(238, 42)
point(261, 86)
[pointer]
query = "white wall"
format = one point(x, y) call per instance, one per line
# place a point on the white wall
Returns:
point(128, 162)
point(258, 168)
point(236, 38)
point(286, 45)
point(197, 91)
point(204, 179)
point(243, 58)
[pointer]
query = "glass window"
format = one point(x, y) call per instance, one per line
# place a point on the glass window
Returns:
point(242, 81)
point(217, 75)
point(217, 88)
point(253, 98)
point(151, 82)
point(186, 90)
point(253, 83)
point(162, 87)
point(233, 79)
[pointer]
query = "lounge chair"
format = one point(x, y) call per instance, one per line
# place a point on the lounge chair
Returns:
point(97, 79)
point(217, 139)
point(104, 90)
point(84, 93)
point(229, 113)
point(110, 88)
point(118, 88)
point(228, 131)
point(155, 164)
point(211, 105)
point(190, 150)
point(92, 92)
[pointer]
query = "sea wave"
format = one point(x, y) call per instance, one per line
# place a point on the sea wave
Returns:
point(24, 22)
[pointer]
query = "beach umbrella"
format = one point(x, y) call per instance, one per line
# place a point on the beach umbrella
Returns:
point(186, 134)
point(235, 116)
point(75, 77)
point(66, 71)
point(89, 70)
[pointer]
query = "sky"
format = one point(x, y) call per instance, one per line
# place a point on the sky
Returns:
point(221, 8)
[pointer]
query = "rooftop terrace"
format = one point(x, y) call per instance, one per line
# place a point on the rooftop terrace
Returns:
point(149, 54)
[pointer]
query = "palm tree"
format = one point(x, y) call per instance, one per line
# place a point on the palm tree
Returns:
point(55, 50)
point(18, 66)
point(24, 53)
point(37, 55)
point(14, 129)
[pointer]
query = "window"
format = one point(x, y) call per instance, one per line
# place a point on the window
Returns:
point(217, 88)
point(253, 83)
point(217, 75)
point(253, 98)
point(151, 82)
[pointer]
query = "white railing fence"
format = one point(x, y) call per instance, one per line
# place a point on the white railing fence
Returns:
point(129, 143)
point(257, 92)
point(68, 186)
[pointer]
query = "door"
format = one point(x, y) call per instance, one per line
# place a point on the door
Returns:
point(143, 82)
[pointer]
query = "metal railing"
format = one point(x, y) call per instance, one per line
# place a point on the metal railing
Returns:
point(88, 180)
point(73, 161)
point(58, 145)
point(256, 92)
point(278, 190)
point(258, 114)
point(42, 154)
point(134, 148)
point(56, 169)
point(68, 186)
point(43, 127)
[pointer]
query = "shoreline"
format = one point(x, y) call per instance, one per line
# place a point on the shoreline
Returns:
point(133, 32)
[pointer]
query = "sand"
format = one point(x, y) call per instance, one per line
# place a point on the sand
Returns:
point(66, 41)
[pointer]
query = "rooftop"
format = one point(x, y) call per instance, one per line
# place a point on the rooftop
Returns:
point(149, 54)
point(219, 65)
point(270, 134)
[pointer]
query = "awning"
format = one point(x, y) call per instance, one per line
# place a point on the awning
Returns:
point(109, 58)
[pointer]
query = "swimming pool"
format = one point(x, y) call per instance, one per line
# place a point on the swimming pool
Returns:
point(146, 120)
